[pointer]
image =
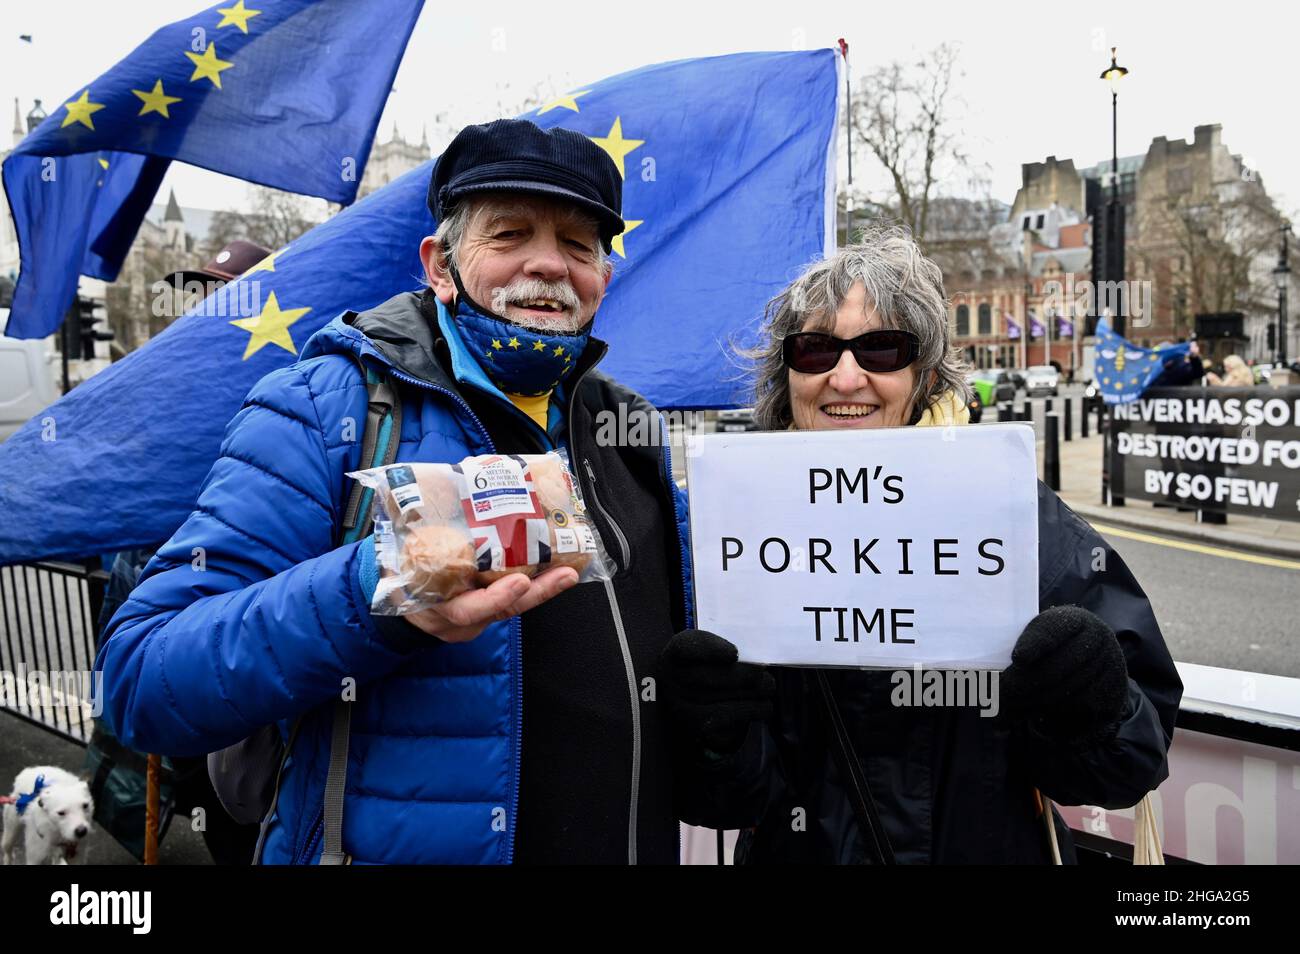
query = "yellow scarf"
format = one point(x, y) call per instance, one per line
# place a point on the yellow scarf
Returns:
point(944, 411)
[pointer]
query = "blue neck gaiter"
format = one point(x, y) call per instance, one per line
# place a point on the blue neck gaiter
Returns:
point(518, 360)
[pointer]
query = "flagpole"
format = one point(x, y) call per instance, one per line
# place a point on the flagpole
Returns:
point(848, 104)
point(848, 138)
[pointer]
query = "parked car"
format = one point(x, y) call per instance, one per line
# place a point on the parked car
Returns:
point(737, 419)
point(993, 386)
point(1042, 379)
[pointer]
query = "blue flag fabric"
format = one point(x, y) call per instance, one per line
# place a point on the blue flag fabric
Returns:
point(1124, 370)
point(287, 95)
point(727, 194)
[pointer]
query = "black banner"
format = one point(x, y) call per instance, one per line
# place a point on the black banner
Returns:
point(1224, 450)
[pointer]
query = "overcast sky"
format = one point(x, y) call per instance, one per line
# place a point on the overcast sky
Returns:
point(1030, 89)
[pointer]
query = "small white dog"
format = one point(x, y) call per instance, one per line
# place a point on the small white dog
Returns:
point(54, 809)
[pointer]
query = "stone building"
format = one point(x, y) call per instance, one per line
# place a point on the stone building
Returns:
point(393, 159)
point(1005, 310)
point(169, 240)
point(1200, 238)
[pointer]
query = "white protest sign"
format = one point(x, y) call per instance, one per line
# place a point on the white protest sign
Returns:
point(885, 547)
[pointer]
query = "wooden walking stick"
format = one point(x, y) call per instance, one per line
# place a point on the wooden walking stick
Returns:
point(152, 786)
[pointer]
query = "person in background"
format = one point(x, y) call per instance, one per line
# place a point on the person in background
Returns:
point(1235, 374)
point(1181, 370)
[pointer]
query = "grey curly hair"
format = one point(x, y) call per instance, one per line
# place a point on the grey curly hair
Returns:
point(906, 289)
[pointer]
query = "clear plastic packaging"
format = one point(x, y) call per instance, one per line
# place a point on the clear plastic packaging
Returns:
point(444, 529)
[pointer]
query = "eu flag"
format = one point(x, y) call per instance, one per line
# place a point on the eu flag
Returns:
point(287, 95)
point(1124, 370)
point(728, 186)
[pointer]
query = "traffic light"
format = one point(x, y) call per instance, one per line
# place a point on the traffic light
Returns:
point(89, 314)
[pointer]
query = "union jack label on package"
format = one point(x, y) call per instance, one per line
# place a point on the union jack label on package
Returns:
point(504, 516)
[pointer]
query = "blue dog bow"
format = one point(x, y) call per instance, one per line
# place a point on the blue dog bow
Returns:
point(25, 800)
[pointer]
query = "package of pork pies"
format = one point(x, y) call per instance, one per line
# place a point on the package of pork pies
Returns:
point(443, 529)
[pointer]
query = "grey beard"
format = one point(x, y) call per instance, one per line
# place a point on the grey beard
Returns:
point(566, 324)
point(563, 323)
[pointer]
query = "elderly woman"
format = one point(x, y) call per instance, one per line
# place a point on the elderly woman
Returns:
point(817, 764)
point(1236, 374)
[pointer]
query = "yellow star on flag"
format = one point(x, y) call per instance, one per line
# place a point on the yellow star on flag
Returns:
point(270, 327)
point(568, 102)
point(208, 66)
point(155, 101)
point(559, 350)
point(80, 110)
point(236, 16)
point(267, 264)
point(616, 145)
point(103, 163)
point(539, 346)
point(514, 343)
point(617, 241)
point(496, 344)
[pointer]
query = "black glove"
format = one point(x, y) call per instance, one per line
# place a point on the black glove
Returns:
point(1067, 677)
point(711, 697)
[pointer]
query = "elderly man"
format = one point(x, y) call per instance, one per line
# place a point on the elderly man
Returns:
point(513, 723)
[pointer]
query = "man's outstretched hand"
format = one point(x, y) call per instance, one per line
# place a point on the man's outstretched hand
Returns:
point(463, 617)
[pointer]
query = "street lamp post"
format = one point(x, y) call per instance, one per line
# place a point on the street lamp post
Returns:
point(1282, 273)
point(1024, 331)
point(1114, 231)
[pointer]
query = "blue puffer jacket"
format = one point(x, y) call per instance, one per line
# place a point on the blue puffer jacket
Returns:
point(252, 615)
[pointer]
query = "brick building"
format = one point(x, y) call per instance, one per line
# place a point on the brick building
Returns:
point(1200, 238)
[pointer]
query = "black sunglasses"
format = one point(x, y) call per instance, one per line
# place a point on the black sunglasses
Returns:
point(811, 352)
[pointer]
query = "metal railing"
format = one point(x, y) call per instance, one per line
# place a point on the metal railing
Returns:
point(48, 612)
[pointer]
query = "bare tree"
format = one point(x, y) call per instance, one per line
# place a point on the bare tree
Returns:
point(1224, 245)
point(905, 116)
point(274, 220)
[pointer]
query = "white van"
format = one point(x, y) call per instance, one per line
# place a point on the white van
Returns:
point(1042, 379)
point(27, 381)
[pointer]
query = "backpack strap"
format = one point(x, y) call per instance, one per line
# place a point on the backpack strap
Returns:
point(379, 444)
point(378, 447)
point(332, 850)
